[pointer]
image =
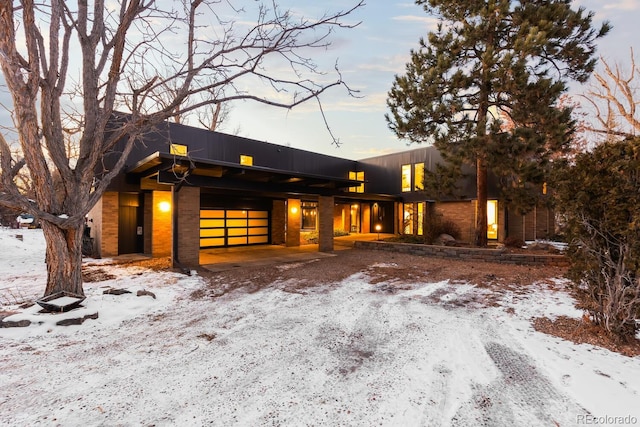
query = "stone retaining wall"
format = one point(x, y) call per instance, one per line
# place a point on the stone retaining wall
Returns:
point(466, 254)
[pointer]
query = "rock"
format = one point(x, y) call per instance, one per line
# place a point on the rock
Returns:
point(113, 291)
point(77, 320)
point(143, 293)
point(445, 240)
point(14, 324)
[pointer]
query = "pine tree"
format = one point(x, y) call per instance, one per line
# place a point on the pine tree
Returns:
point(489, 64)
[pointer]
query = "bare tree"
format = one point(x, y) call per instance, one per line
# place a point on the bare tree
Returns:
point(83, 61)
point(615, 100)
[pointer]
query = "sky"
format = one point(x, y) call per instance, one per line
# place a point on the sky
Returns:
point(369, 56)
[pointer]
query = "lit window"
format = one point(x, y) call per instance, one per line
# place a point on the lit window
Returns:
point(309, 215)
point(492, 219)
point(406, 178)
point(246, 160)
point(357, 176)
point(418, 175)
point(407, 218)
point(178, 150)
point(420, 219)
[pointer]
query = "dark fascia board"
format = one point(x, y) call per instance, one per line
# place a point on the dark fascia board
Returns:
point(159, 161)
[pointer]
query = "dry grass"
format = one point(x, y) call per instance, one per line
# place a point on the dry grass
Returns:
point(580, 331)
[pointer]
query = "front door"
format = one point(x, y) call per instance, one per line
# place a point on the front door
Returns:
point(130, 239)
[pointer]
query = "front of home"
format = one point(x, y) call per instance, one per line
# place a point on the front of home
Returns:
point(184, 190)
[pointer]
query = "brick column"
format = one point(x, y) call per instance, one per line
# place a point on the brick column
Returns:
point(110, 217)
point(188, 233)
point(325, 223)
point(278, 222)
point(366, 218)
point(294, 220)
point(161, 224)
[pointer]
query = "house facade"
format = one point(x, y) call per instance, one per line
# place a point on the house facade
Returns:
point(184, 190)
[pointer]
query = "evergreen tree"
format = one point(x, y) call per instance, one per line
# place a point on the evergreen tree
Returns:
point(599, 199)
point(484, 88)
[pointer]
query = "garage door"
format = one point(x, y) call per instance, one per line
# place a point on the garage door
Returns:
point(224, 227)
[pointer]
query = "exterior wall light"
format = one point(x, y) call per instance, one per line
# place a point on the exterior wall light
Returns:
point(294, 210)
point(164, 206)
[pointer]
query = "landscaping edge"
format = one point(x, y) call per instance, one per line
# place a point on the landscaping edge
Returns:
point(500, 256)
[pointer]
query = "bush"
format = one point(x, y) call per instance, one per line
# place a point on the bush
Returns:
point(513, 242)
point(312, 236)
point(599, 198)
point(436, 226)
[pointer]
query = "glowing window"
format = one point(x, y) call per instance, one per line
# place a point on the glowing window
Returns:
point(418, 177)
point(178, 150)
point(309, 215)
point(357, 176)
point(406, 178)
point(246, 160)
point(492, 219)
point(407, 218)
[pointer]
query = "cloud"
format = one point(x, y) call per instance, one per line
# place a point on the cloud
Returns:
point(622, 5)
point(429, 21)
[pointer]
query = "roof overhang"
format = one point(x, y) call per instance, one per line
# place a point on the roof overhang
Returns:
point(165, 168)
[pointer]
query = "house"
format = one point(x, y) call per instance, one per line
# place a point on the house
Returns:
point(186, 189)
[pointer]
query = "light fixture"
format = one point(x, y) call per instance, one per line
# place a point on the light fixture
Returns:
point(164, 206)
point(294, 210)
point(378, 228)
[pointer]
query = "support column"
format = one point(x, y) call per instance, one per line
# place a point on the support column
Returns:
point(294, 220)
point(187, 234)
point(161, 224)
point(278, 222)
point(325, 223)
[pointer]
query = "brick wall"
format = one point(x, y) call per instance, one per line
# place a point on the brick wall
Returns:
point(161, 226)
point(462, 213)
point(189, 226)
point(278, 222)
point(366, 219)
point(109, 240)
point(293, 222)
point(325, 223)
point(94, 218)
point(467, 254)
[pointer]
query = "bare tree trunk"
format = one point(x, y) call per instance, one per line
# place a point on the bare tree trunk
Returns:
point(63, 258)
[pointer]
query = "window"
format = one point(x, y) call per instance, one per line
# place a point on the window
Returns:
point(407, 218)
point(246, 160)
point(178, 150)
point(420, 219)
point(406, 178)
point(492, 219)
point(357, 176)
point(309, 215)
point(418, 175)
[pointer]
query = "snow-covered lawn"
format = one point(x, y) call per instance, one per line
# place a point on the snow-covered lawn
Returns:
point(352, 353)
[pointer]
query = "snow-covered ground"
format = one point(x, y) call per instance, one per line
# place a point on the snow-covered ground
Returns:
point(352, 353)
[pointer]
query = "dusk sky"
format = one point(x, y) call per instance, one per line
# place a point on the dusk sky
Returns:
point(368, 57)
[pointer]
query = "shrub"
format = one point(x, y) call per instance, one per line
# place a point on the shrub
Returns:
point(513, 242)
point(599, 197)
point(436, 226)
point(312, 236)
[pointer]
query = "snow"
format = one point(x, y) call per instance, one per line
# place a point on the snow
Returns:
point(349, 353)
